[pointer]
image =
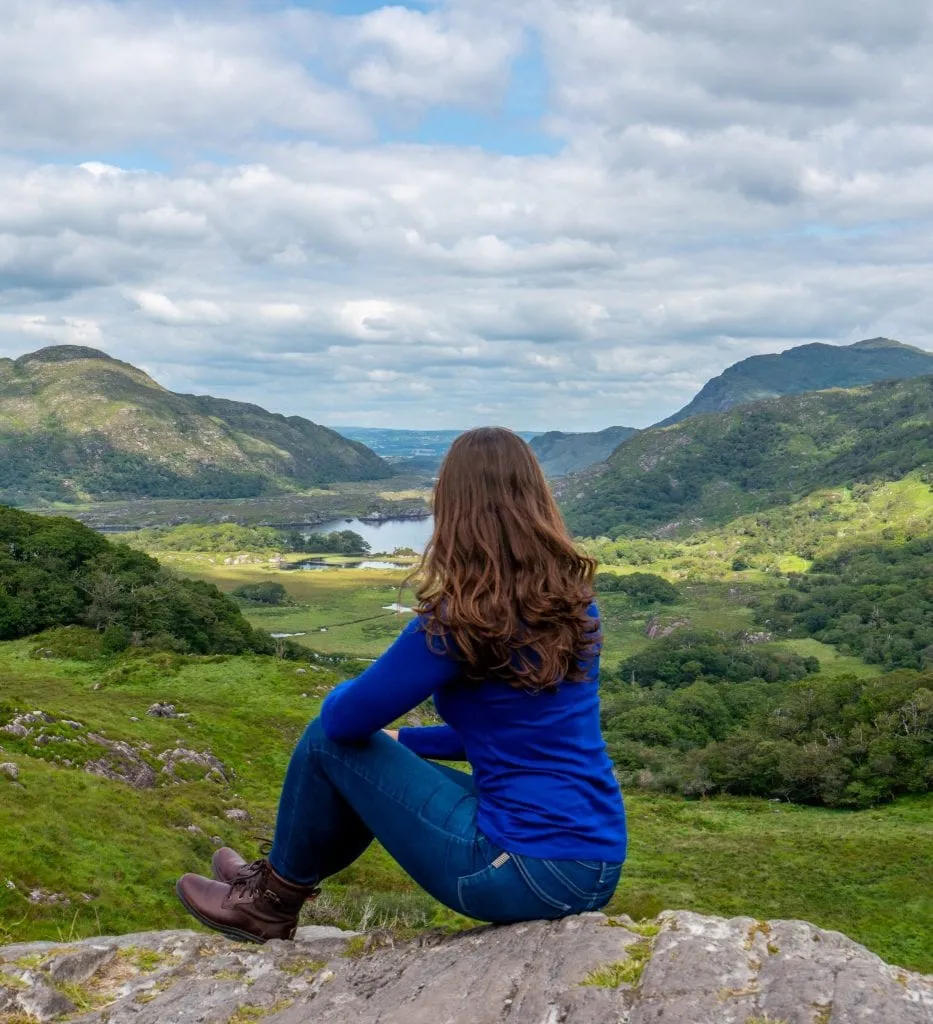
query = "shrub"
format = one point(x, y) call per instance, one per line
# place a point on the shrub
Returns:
point(262, 593)
point(643, 588)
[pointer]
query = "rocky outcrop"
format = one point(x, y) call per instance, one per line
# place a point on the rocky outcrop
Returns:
point(682, 969)
point(72, 744)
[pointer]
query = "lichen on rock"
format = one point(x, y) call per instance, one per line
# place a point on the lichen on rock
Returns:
point(684, 968)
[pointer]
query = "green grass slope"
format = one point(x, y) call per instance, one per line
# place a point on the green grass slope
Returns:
point(710, 469)
point(76, 425)
point(113, 852)
point(807, 368)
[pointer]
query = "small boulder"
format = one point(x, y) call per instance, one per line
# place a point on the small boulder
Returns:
point(10, 770)
point(160, 710)
point(236, 814)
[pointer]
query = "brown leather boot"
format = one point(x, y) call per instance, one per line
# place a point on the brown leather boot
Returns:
point(256, 906)
point(226, 864)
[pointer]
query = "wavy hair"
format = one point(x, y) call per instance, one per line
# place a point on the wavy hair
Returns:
point(500, 582)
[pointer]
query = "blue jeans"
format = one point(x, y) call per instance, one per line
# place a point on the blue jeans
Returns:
point(338, 797)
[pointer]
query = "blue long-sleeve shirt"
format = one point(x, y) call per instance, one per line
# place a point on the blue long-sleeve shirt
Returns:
point(544, 781)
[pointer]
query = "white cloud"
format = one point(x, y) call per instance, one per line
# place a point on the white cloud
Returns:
point(422, 58)
point(162, 309)
point(66, 330)
point(105, 73)
point(733, 179)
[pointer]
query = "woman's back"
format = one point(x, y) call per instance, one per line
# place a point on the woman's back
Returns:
point(506, 641)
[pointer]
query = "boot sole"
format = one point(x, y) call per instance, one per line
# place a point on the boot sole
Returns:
point(230, 933)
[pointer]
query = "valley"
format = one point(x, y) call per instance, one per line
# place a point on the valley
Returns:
point(767, 611)
point(400, 497)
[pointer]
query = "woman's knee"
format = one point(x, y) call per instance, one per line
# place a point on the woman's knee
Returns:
point(313, 738)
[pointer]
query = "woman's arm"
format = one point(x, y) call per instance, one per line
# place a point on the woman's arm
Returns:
point(400, 680)
point(440, 742)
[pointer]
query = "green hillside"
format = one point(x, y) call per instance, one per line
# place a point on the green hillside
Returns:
point(77, 425)
point(92, 871)
point(807, 368)
point(710, 469)
point(561, 453)
point(55, 573)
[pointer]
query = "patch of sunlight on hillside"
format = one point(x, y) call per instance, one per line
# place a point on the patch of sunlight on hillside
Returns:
point(831, 660)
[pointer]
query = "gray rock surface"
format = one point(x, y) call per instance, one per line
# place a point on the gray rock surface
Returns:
point(683, 969)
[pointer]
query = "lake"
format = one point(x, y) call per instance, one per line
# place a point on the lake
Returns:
point(384, 536)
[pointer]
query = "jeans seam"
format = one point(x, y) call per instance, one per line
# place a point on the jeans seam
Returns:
point(559, 875)
point(535, 888)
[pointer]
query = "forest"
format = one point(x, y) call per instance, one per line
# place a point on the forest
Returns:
point(874, 602)
point(56, 572)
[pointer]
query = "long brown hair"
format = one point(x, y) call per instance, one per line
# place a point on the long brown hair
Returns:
point(500, 582)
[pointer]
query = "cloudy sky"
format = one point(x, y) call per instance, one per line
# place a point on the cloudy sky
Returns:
point(544, 213)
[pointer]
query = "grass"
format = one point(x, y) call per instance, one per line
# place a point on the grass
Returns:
point(350, 604)
point(863, 873)
point(115, 852)
point(625, 972)
point(251, 1014)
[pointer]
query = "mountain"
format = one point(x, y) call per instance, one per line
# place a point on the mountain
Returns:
point(710, 469)
point(561, 453)
point(807, 368)
point(76, 424)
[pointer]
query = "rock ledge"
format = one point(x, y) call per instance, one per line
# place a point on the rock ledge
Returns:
point(682, 969)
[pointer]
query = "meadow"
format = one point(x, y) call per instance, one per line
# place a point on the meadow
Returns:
point(352, 606)
point(114, 852)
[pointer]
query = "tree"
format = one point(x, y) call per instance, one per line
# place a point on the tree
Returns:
point(262, 593)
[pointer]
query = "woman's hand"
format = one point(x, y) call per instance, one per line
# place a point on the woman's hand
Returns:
point(393, 733)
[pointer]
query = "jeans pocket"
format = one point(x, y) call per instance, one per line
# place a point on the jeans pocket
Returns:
point(503, 893)
point(581, 885)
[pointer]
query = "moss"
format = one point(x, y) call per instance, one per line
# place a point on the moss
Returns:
point(11, 981)
point(624, 972)
point(758, 928)
point(32, 961)
point(356, 947)
point(300, 965)
point(647, 929)
point(250, 1014)
point(145, 960)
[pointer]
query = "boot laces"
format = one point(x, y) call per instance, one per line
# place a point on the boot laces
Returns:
point(251, 882)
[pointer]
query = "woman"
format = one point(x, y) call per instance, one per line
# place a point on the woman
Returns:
point(506, 641)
